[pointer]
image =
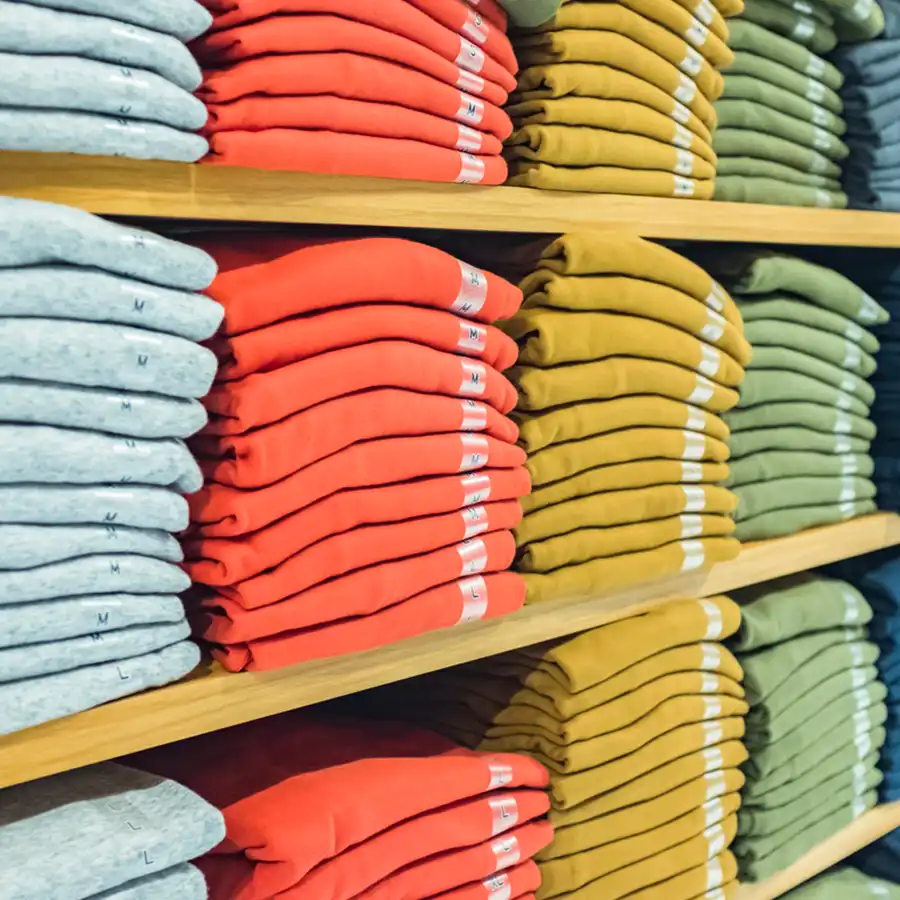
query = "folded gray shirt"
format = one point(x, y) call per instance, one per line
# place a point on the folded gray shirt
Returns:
point(33, 233)
point(99, 409)
point(71, 617)
point(185, 882)
point(89, 295)
point(39, 454)
point(97, 354)
point(74, 835)
point(101, 574)
point(37, 660)
point(74, 83)
point(31, 30)
point(184, 19)
point(131, 505)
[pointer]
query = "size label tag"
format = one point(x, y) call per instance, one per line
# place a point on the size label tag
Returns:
point(691, 471)
point(705, 11)
point(713, 812)
point(684, 187)
point(857, 678)
point(469, 56)
point(694, 500)
point(715, 837)
point(714, 873)
point(715, 625)
point(692, 64)
point(476, 28)
point(815, 91)
point(712, 707)
point(844, 401)
point(801, 6)
point(815, 67)
point(682, 137)
point(861, 10)
point(848, 490)
point(471, 337)
point(473, 289)
point(716, 297)
point(686, 90)
point(498, 887)
point(684, 161)
point(821, 139)
point(476, 489)
point(710, 360)
point(475, 521)
point(842, 423)
point(703, 390)
point(468, 138)
point(507, 852)
point(709, 684)
point(470, 83)
point(474, 416)
point(691, 526)
point(474, 452)
point(713, 755)
point(868, 308)
point(474, 600)
point(854, 333)
point(471, 109)
point(715, 782)
point(696, 419)
point(714, 328)
point(501, 774)
point(842, 445)
point(472, 556)
point(712, 657)
point(474, 378)
point(694, 557)
point(820, 116)
point(803, 30)
point(856, 654)
point(852, 356)
point(847, 510)
point(818, 164)
point(694, 447)
point(504, 811)
point(697, 33)
point(680, 113)
point(849, 465)
point(471, 169)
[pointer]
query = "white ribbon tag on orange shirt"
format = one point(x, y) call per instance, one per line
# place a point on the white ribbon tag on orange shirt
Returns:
point(474, 600)
point(476, 489)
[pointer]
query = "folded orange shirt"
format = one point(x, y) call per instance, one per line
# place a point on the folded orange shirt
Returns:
point(299, 338)
point(227, 510)
point(333, 153)
point(394, 16)
point(301, 788)
point(466, 600)
point(492, 11)
point(329, 34)
point(370, 545)
point(460, 824)
point(518, 882)
point(266, 397)
point(453, 868)
point(357, 78)
point(267, 455)
point(217, 560)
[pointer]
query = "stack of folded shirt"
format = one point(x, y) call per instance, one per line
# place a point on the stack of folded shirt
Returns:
point(320, 806)
point(801, 433)
point(628, 352)
point(779, 139)
point(616, 97)
point(640, 723)
point(846, 883)
point(394, 89)
point(871, 96)
point(816, 718)
point(99, 367)
point(363, 477)
point(108, 832)
point(102, 77)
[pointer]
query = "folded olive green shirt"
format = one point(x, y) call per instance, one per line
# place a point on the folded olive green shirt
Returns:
point(628, 569)
point(789, 521)
point(609, 48)
point(618, 18)
point(787, 493)
point(846, 884)
point(589, 80)
point(621, 376)
point(583, 420)
point(788, 607)
point(815, 368)
point(803, 415)
point(789, 463)
point(586, 543)
point(638, 298)
point(740, 189)
point(751, 37)
point(856, 21)
point(839, 351)
point(553, 337)
point(788, 102)
point(802, 440)
point(776, 385)
point(764, 272)
point(625, 116)
point(625, 476)
point(789, 308)
point(750, 168)
point(731, 141)
point(752, 116)
point(797, 27)
point(766, 69)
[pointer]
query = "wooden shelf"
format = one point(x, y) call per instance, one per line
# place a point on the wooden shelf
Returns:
point(213, 699)
point(123, 187)
point(867, 829)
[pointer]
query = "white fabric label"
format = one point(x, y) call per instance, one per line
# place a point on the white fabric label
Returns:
point(849, 465)
point(473, 289)
point(471, 169)
point(714, 873)
point(469, 56)
point(709, 684)
point(852, 356)
point(859, 779)
point(820, 116)
point(684, 162)
point(691, 471)
point(684, 187)
point(857, 678)
point(476, 28)
point(710, 360)
point(713, 755)
point(715, 625)
point(474, 416)
point(694, 447)
point(470, 83)
point(694, 557)
point(717, 894)
point(868, 309)
point(468, 138)
point(474, 452)
point(692, 64)
point(848, 383)
point(702, 392)
point(815, 68)
point(815, 91)
point(507, 851)
point(842, 444)
point(474, 600)
point(476, 489)
point(705, 11)
point(803, 30)
point(697, 33)
point(842, 423)
point(821, 139)
point(504, 810)
point(859, 807)
point(498, 887)
point(853, 332)
point(851, 608)
point(801, 6)
point(715, 781)
point(856, 654)
point(712, 707)
point(861, 699)
point(474, 378)
point(823, 198)
point(471, 337)
point(847, 510)
point(845, 402)
point(686, 90)
point(712, 657)
point(715, 837)
point(695, 501)
point(680, 113)
point(713, 812)
point(848, 491)
point(471, 109)
point(879, 890)
point(716, 297)
point(475, 521)
point(819, 164)
point(472, 556)
point(860, 10)
point(696, 420)
point(691, 526)
point(714, 328)
point(863, 745)
point(682, 137)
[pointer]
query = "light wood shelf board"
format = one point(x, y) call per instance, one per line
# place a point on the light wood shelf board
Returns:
point(867, 829)
point(121, 187)
point(213, 699)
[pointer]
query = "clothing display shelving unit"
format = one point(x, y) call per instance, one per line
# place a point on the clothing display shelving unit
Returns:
point(211, 699)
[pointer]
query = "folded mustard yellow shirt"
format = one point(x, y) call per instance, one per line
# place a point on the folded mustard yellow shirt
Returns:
point(617, 376)
point(595, 543)
point(703, 11)
point(618, 18)
point(623, 508)
point(590, 80)
point(621, 52)
point(637, 297)
point(582, 420)
point(611, 115)
point(553, 337)
point(625, 476)
point(696, 884)
point(609, 253)
point(564, 460)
